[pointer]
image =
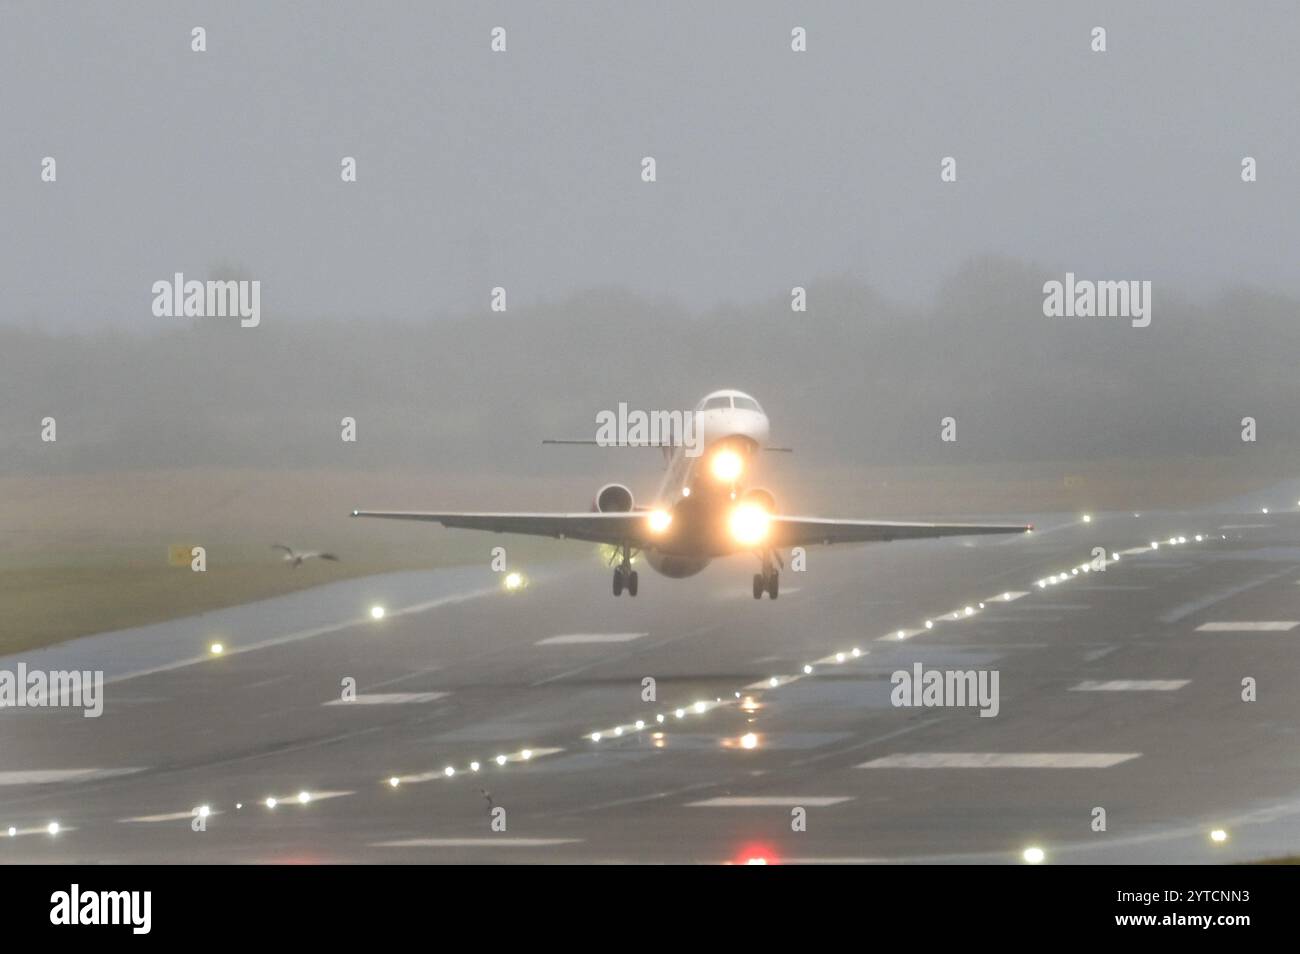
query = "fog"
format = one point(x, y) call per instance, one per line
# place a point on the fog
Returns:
point(522, 169)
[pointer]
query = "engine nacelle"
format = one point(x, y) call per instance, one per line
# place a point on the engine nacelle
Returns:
point(612, 498)
point(761, 497)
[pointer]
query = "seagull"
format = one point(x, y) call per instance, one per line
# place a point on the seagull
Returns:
point(296, 559)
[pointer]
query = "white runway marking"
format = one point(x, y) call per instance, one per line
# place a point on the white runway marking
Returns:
point(387, 699)
point(1274, 626)
point(770, 801)
point(941, 760)
point(1130, 685)
point(570, 639)
point(47, 776)
point(173, 816)
point(475, 842)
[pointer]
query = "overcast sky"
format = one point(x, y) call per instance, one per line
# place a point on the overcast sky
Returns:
point(522, 169)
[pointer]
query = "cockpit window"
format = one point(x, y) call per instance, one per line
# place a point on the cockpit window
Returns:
point(717, 403)
point(746, 404)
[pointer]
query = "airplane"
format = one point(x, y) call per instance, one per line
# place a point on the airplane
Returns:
point(705, 509)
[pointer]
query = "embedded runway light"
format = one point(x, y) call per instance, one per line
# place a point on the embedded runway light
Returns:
point(640, 723)
point(514, 580)
point(680, 713)
point(807, 670)
point(726, 465)
point(749, 741)
point(686, 491)
point(1263, 510)
point(618, 730)
point(526, 754)
point(929, 624)
point(474, 766)
point(659, 520)
point(216, 649)
point(857, 652)
point(271, 803)
point(449, 771)
point(839, 657)
point(981, 606)
point(700, 707)
point(970, 611)
point(53, 828)
point(1114, 558)
point(1033, 855)
point(1198, 538)
point(595, 736)
point(501, 760)
point(774, 682)
point(376, 612)
point(304, 798)
point(204, 811)
point(1087, 518)
point(394, 781)
point(1155, 544)
point(749, 524)
point(1218, 836)
point(12, 831)
point(238, 806)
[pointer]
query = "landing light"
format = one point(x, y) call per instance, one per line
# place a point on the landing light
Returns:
point(1034, 855)
point(376, 612)
point(749, 524)
point(514, 581)
point(216, 649)
point(1218, 836)
point(659, 520)
point(726, 465)
point(749, 741)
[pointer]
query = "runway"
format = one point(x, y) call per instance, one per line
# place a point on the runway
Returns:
point(1119, 690)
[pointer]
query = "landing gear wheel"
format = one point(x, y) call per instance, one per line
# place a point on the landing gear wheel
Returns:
point(774, 584)
point(618, 581)
point(631, 583)
point(758, 586)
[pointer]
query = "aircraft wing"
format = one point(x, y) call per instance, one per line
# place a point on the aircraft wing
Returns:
point(595, 527)
point(803, 531)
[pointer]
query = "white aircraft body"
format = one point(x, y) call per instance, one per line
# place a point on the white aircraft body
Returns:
point(705, 509)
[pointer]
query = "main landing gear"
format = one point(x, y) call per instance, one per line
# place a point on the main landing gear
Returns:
point(624, 576)
point(768, 579)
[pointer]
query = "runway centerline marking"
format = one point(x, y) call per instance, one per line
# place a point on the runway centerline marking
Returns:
point(576, 639)
point(979, 760)
point(1130, 685)
point(387, 699)
point(1270, 626)
point(770, 801)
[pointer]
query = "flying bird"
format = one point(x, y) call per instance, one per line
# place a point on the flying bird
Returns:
point(295, 559)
